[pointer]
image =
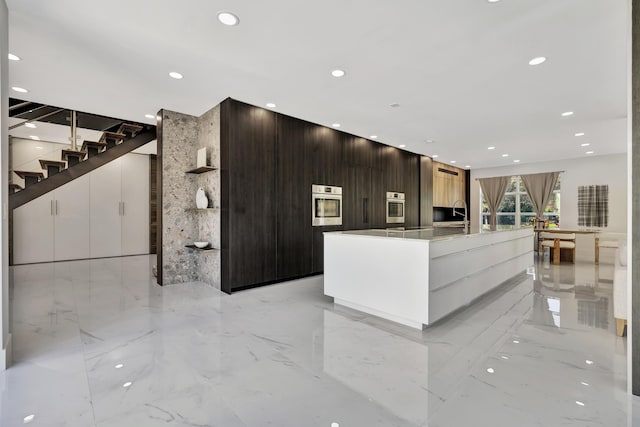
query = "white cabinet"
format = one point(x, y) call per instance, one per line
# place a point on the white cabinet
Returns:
point(135, 204)
point(120, 207)
point(55, 226)
point(104, 213)
point(72, 225)
point(33, 231)
point(105, 208)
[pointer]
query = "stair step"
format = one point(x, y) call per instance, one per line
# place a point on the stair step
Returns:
point(52, 166)
point(30, 177)
point(73, 157)
point(93, 147)
point(14, 187)
point(131, 128)
point(112, 138)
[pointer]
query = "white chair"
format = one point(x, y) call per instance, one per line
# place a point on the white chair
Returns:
point(620, 288)
point(559, 241)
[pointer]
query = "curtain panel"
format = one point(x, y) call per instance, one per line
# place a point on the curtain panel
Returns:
point(493, 190)
point(540, 186)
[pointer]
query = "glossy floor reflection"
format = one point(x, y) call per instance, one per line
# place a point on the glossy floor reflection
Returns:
point(96, 343)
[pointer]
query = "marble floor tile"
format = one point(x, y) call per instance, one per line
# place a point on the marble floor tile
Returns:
point(98, 343)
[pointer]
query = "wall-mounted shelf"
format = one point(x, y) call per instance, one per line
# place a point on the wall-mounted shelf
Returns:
point(201, 169)
point(206, 248)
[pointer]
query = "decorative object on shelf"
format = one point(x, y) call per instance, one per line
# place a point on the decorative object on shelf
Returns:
point(201, 160)
point(201, 245)
point(201, 199)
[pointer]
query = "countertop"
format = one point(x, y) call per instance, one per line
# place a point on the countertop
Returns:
point(418, 234)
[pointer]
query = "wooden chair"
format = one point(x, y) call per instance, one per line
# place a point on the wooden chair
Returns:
point(559, 241)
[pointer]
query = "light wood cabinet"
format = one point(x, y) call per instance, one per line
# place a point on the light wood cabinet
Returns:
point(448, 184)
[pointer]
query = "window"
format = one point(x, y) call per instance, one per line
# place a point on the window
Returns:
point(516, 209)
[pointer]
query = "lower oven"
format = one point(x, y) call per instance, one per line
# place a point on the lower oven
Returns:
point(395, 208)
point(326, 205)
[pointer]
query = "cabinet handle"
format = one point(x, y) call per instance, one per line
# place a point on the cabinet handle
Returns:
point(51, 208)
point(119, 208)
point(365, 210)
point(122, 208)
point(56, 207)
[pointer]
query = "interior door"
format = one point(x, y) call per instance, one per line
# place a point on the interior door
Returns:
point(33, 231)
point(135, 207)
point(72, 222)
point(106, 209)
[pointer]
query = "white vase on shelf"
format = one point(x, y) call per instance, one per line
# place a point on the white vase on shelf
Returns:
point(201, 199)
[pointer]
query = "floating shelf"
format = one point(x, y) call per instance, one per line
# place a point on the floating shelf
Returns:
point(201, 169)
point(206, 248)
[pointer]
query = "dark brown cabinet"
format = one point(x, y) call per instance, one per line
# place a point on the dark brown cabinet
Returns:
point(269, 162)
point(248, 180)
point(294, 251)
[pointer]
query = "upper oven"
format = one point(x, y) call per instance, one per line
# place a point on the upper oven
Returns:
point(326, 205)
point(395, 208)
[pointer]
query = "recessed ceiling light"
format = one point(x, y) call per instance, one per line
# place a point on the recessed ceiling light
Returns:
point(19, 89)
point(271, 105)
point(453, 161)
point(338, 73)
point(579, 134)
point(579, 403)
point(516, 342)
point(35, 138)
point(538, 60)
point(435, 156)
point(119, 365)
point(516, 161)
point(586, 144)
point(176, 75)
point(374, 136)
point(429, 141)
point(490, 370)
point(567, 113)
point(335, 425)
point(491, 148)
point(228, 18)
point(589, 362)
point(127, 384)
point(505, 155)
point(150, 116)
point(13, 57)
point(402, 145)
point(584, 384)
point(336, 125)
point(589, 152)
point(30, 125)
point(505, 357)
point(467, 166)
point(493, 1)
point(28, 419)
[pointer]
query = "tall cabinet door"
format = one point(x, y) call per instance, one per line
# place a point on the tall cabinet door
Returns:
point(135, 204)
point(33, 231)
point(72, 222)
point(106, 210)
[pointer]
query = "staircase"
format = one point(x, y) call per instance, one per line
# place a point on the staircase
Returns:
point(115, 142)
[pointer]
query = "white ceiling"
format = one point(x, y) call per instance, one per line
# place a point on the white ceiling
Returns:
point(458, 68)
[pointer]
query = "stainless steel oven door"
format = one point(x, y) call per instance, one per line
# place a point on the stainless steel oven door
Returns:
point(326, 209)
point(395, 208)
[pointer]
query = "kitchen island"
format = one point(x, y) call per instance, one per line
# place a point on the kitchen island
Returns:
point(416, 277)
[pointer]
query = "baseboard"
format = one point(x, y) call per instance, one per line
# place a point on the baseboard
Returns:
point(5, 355)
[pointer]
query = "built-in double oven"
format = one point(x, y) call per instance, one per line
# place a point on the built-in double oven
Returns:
point(395, 208)
point(326, 205)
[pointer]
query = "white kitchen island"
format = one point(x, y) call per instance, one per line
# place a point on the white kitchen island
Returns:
point(417, 277)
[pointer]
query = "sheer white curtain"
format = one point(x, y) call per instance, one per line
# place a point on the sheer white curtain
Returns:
point(493, 190)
